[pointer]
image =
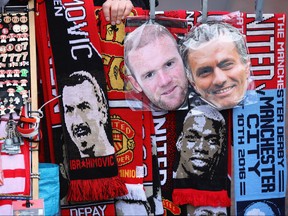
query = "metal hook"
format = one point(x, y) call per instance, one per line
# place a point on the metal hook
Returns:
point(259, 10)
point(152, 11)
point(204, 9)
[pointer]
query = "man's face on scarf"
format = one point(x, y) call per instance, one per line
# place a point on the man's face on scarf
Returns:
point(201, 145)
point(159, 72)
point(82, 117)
point(206, 210)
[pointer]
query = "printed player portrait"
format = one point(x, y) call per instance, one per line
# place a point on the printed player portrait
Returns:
point(201, 144)
point(86, 114)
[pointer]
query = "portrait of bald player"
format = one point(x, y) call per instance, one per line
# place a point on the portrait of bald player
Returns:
point(218, 67)
point(86, 115)
point(154, 66)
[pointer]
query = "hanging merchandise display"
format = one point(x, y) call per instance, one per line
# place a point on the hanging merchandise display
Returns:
point(253, 147)
point(254, 97)
point(161, 155)
point(15, 94)
point(19, 125)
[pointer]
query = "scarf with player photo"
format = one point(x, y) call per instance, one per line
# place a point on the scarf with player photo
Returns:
point(93, 171)
point(202, 193)
point(200, 173)
point(260, 167)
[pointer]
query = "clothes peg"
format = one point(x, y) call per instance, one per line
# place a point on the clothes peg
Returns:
point(204, 9)
point(152, 11)
point(259, 10)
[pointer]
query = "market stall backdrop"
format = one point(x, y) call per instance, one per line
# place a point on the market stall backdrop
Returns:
point(276, 6)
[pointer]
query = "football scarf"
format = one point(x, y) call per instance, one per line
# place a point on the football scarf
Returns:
point(127, 126)
point(93, 171)
point(106, 207)
point(50, 149)
point(164, 123)
point(152, 183)
point(260, 168)
point(128, 142)
point(111, 42)
point(165, 139)
point(205, 186)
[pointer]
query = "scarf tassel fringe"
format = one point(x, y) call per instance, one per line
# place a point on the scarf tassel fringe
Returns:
point(201, 198)
point(96, 189)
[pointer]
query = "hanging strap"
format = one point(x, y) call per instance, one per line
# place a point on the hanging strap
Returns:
point(152, 11)
point(204, 9)
point(259, 10)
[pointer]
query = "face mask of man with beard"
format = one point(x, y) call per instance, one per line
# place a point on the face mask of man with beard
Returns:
point(85, 114)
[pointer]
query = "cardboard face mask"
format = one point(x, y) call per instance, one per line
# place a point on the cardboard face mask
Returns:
point(155, 67)
point(219, 68)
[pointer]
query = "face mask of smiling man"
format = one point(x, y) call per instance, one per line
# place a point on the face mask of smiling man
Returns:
point(155, 66)
point(218, 66)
